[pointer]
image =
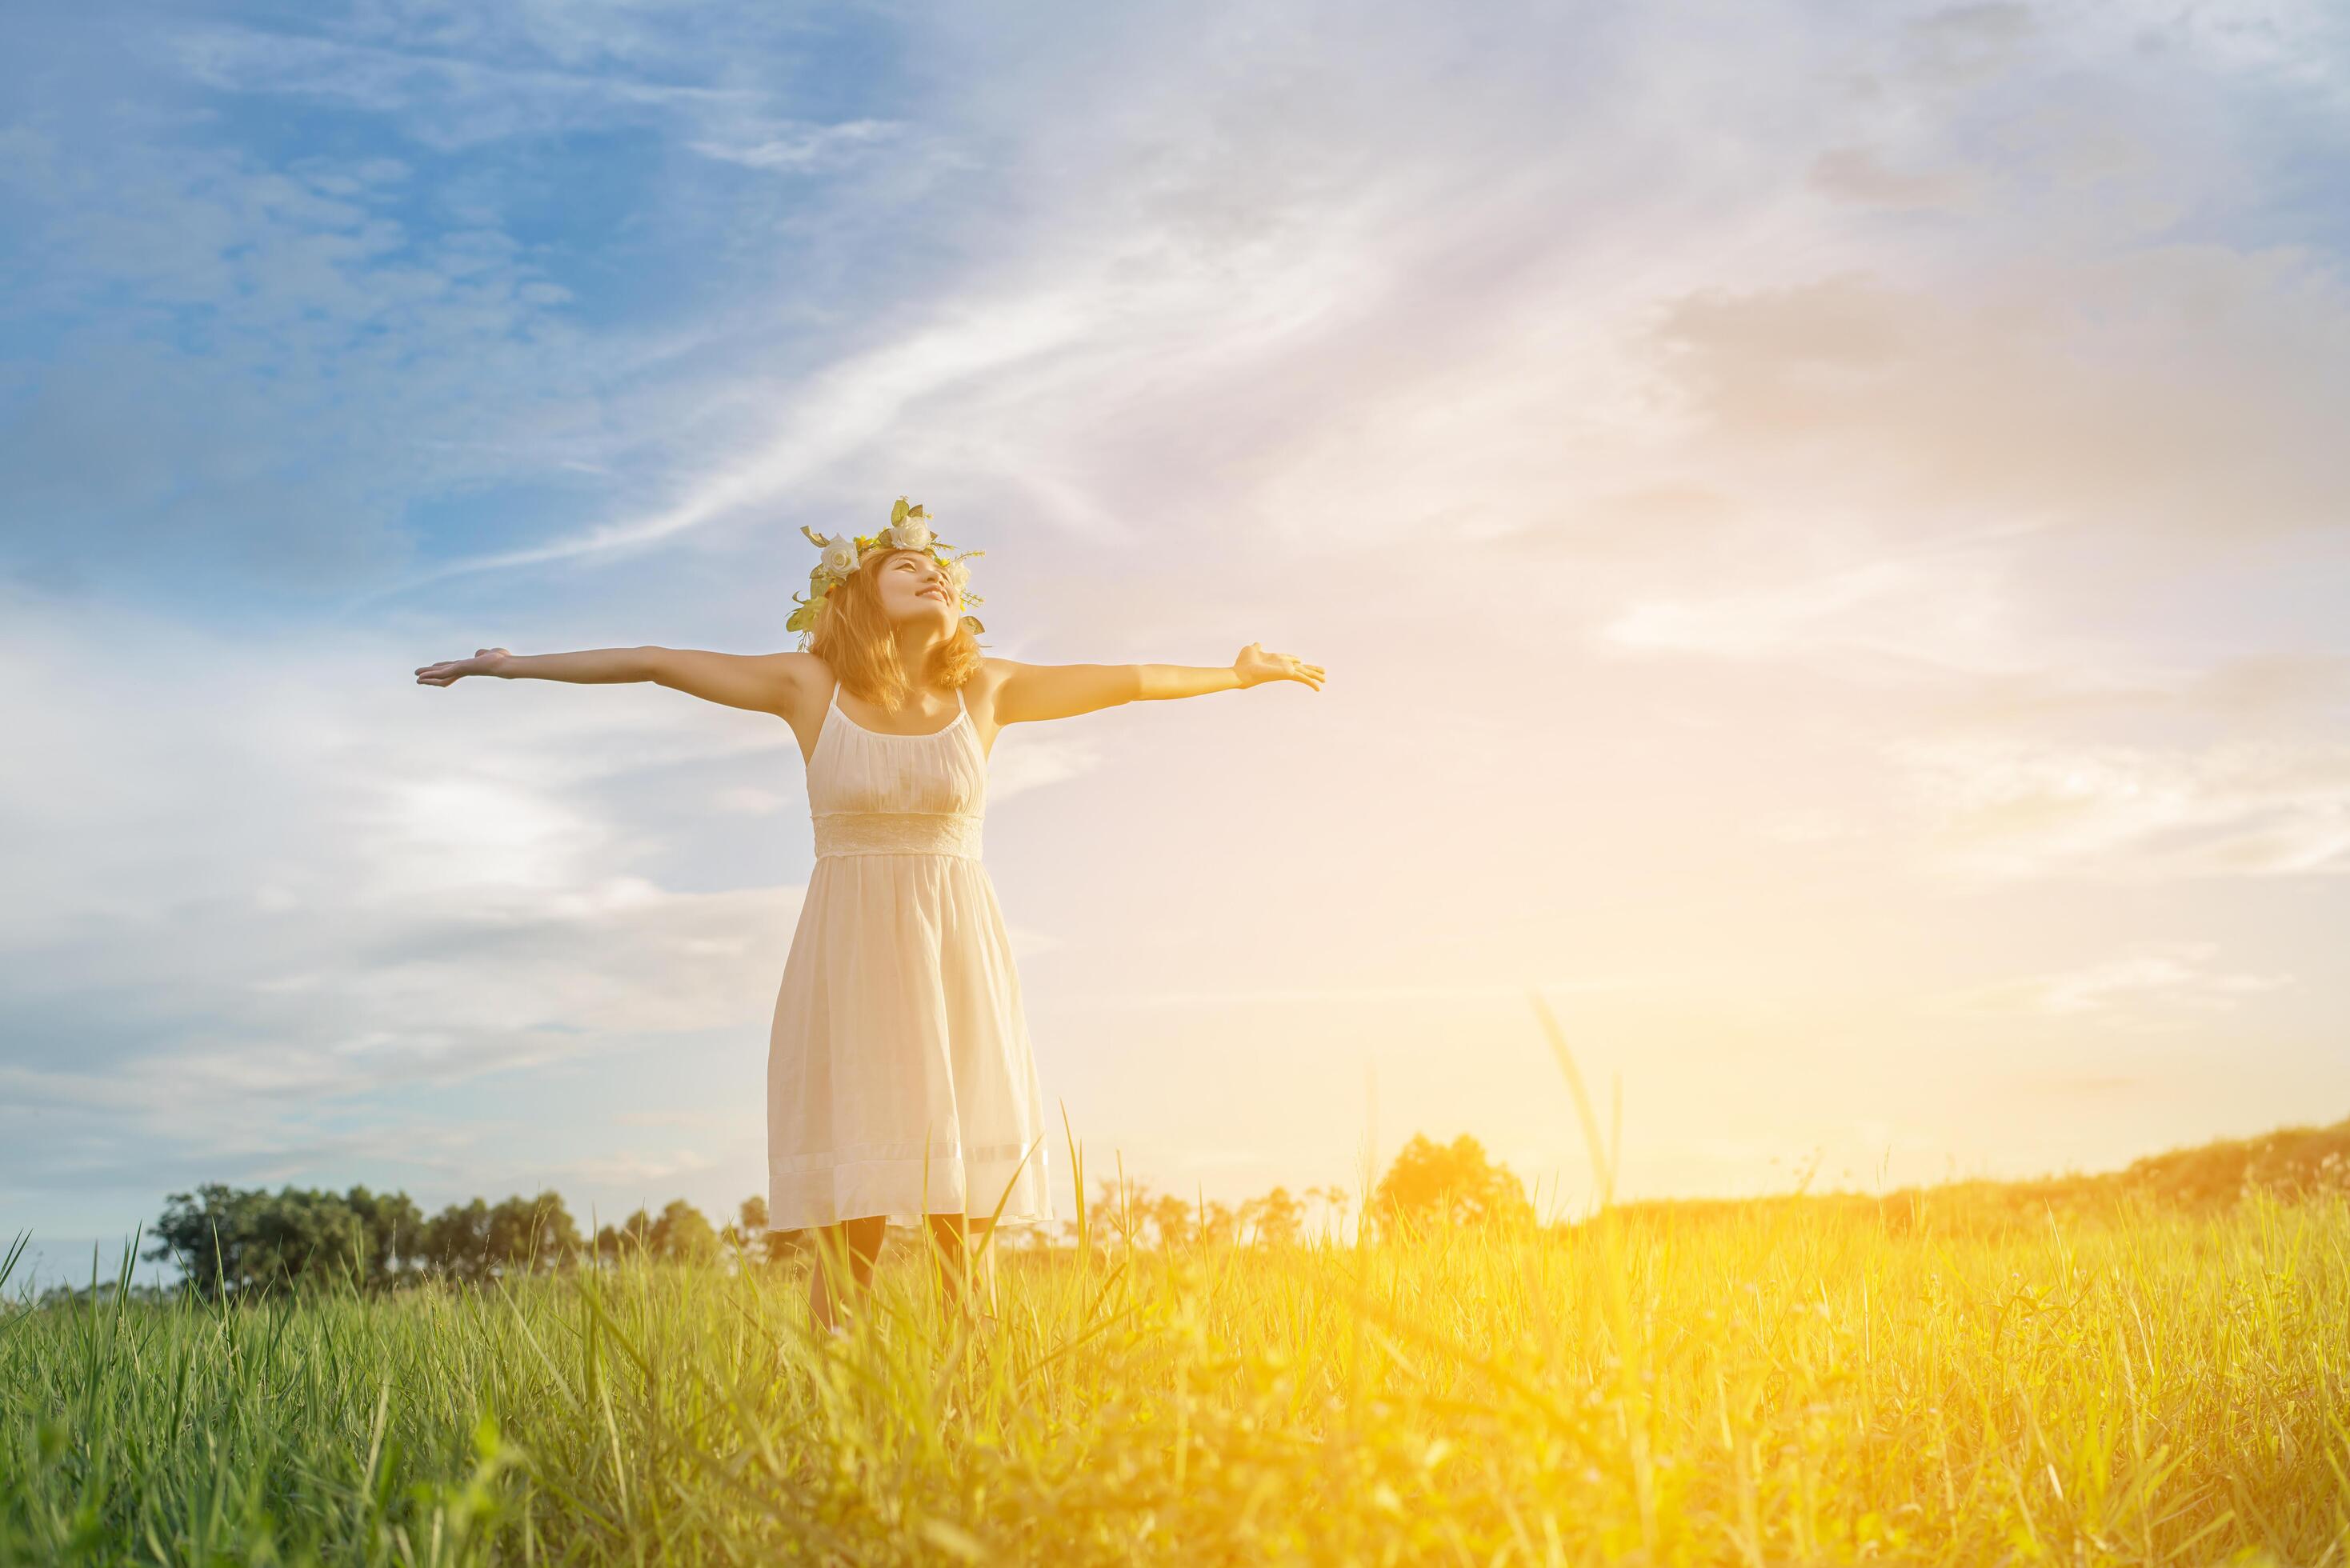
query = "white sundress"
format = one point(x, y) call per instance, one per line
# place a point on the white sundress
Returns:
point(899, 1021)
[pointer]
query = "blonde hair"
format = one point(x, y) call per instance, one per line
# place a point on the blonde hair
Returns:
point(852, 636)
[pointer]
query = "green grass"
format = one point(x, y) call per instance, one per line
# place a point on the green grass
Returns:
point(1780, 1387)
point(1767, 1383)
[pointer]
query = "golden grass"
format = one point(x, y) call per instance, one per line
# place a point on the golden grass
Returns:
point(1768, 1385)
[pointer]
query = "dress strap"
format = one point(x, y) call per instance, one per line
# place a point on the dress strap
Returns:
point(960, 702)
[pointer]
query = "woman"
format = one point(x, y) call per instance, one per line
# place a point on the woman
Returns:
point(901, 1082)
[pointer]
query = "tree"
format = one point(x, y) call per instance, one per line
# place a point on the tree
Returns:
point(1122, 1210)
point(682, 1235)
point(229, 1241)
point(631, 1237)
point(528, 1233)
point(1172, 1219)
point(743, 1237)
point(751, 1239)
point(1430, 1184)
point(1276, 1218)
point(1338, 1199)
point(457, 1241)
point(395, 1233)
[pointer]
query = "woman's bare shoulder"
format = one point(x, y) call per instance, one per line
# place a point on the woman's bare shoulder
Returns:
point(810, 679)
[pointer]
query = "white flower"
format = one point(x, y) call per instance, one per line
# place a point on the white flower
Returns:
point(841, 555)
point(957, 576)
point(909, 534)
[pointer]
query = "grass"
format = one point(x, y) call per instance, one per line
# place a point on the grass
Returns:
point(1758, 1385)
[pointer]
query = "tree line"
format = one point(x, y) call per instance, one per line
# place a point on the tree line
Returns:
point(229, 1241)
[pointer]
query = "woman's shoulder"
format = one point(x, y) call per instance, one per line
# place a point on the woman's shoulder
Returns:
point(990, 668)
point(807, 678)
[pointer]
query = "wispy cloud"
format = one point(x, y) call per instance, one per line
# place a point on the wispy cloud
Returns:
point(795, 148)
point(1947, 608)
point(2016, 808)
point(2158, 985)
point(1725, 527)
point(1343, 995)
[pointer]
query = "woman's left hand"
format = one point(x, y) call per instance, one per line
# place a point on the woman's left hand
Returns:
point(1255, 666)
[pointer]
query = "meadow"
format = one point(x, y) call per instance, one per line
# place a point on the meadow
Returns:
point(1938, 1380)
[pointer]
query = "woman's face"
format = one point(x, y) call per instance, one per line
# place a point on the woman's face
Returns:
point(912, 588)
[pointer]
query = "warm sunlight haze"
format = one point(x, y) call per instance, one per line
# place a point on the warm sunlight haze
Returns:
point(1828, 533)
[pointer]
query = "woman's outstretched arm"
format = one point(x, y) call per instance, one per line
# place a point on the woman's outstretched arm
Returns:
point(1034, 691)
point(767, 683)
point(599, 666)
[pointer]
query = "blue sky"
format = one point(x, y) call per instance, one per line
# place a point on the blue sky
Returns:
point(1826, 528)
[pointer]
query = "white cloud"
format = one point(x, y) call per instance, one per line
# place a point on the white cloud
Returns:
point(1893, 364)
point(290, 869)
point(797, 148)
point(1321, 997)
point(1935, 610)
point(747, 800)
point(629, 1169)
point(2155, 985)
point(2008, 808)
point(445, 101)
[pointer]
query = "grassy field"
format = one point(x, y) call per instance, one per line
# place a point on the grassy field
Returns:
point(1768, 1385)
point(2149, 1370)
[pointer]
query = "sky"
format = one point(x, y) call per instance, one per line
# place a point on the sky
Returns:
point(1826, 525)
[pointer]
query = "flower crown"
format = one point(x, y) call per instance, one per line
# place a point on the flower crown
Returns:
point(908, 529)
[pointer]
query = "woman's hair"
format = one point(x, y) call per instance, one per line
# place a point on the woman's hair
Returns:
point(851, 635)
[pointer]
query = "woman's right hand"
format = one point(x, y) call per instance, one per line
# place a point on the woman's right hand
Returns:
point(485, 662)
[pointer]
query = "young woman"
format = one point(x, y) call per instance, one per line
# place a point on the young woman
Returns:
point(901, 1082)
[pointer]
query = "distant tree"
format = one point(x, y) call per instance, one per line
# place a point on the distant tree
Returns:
point(1339, 1201)
point(682, 1235)
point(631, 1238)
point(1276, 1218)
point(457, 1241)
point(395, 1233)
point(1219, 1225)
point(229, 1241)
point(1430, 1184)
point(1171, 1218)
point(1123, 1210)
point(754, 1241)
point(743, 1237)
point(531, 1233)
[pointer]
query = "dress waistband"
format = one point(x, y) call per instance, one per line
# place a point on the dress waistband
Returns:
point(896, 833)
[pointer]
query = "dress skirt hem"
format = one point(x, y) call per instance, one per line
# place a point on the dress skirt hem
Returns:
point(803, 1195)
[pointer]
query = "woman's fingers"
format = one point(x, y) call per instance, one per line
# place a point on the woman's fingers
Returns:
point(451, 670)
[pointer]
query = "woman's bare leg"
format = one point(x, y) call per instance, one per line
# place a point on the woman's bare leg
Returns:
point(948, 1241)
point(854, 1242)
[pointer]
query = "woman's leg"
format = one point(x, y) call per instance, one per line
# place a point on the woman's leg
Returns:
point(948, 1234)
point(852, 1244)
